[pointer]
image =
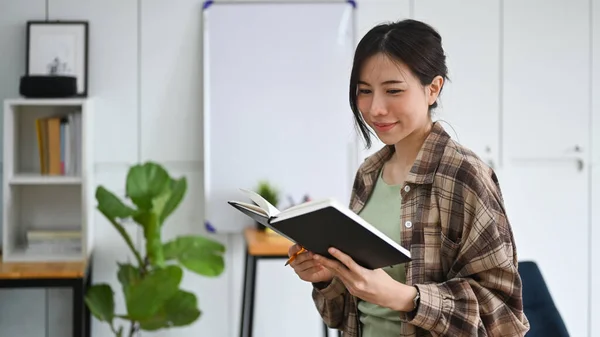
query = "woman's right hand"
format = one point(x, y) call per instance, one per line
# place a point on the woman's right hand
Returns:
point(307, 268)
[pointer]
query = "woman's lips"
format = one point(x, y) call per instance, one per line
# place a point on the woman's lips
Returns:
point(382, 127)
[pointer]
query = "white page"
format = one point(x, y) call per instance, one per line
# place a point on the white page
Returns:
point(262, 202)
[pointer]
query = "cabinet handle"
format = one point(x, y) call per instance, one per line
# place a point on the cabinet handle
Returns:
point(580, 162)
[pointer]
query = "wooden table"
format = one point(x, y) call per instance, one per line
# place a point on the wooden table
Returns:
point(259, 245)
point(74, 275)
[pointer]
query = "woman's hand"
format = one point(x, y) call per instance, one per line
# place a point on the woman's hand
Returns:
point(374, 286)
point(307, 268)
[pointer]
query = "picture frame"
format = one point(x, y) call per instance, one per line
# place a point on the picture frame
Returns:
point(59, 48)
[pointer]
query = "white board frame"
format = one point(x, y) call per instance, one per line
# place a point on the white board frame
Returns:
point(218, 214)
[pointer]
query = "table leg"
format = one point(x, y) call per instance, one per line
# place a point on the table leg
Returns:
point(248, 296)
point(86, 311)
point(78, 308)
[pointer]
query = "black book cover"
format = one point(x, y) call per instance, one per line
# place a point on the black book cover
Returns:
point(319, 230)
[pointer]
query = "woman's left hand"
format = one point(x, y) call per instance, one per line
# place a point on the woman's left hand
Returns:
point(373, 286)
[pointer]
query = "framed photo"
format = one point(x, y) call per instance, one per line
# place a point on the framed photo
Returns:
point(59, 48)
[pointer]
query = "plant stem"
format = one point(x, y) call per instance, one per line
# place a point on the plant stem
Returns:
point(133, 329)
point(128, 241)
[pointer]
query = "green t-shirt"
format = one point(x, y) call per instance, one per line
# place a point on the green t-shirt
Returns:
point(383, 210)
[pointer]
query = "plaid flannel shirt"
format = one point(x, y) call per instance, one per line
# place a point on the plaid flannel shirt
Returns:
point(464, 259)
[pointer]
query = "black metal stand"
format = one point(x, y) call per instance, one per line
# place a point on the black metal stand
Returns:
point(249, 289)
point(81, 314)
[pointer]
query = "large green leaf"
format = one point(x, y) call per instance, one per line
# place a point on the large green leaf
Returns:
point(198, 254)
point(145, 298)
point(177, 191)
point(113, 209)
point(111, 206)
point(99, 299)
point(129, 276)
point(179, 310)
point(145, 183)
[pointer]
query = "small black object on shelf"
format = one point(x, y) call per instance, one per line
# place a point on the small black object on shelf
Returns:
point(43, 86)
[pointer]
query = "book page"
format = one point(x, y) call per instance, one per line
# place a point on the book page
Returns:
point(307, 207)
point(252, 207)
point(260, 201)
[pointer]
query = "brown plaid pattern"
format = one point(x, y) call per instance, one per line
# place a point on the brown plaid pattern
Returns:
point(464, 259)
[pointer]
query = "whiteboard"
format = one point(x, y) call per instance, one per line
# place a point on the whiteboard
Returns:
point(276, 106)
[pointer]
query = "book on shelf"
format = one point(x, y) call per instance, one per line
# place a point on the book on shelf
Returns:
point(59, 144)
point(53, 241)
point(320, 224)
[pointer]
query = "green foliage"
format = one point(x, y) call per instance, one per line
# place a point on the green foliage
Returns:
point(151, 286)
point(269, 192)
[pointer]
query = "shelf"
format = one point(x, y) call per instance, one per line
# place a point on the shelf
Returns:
point(21, 255)
point(15, 102)
point(37, 179)
point(48, 179)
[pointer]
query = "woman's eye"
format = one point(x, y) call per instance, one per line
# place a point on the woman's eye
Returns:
point(394, 91)
point(364, 91)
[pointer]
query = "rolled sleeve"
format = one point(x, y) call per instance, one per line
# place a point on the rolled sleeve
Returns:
point(430, 309)
point(335, 289)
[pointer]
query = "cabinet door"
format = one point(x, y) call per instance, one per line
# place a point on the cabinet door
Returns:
point(548, 209)
point(368, 15)
point(595, 225)
point(112, 72)
point(171, 80)
point(546, 79)
point(469, 105)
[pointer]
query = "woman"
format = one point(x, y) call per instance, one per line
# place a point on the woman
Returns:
point(429, 193)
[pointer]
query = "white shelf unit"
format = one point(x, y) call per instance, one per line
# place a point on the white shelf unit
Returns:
point(36, 201)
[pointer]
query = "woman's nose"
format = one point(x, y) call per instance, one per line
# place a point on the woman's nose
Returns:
point(378, 107)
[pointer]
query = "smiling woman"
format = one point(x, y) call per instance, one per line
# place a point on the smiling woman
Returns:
point(430, 194)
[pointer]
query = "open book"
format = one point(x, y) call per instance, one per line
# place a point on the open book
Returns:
point(320, 224)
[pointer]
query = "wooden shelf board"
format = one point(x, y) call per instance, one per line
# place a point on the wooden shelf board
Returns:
point(31, 270)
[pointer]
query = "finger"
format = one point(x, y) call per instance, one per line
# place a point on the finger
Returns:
point(334, 266)
point(293, 249)
point(299, 261)
point(345, 259)
point(301, 258)
point(308, 268)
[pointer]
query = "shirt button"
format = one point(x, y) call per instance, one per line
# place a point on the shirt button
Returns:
point(406, 188)
point(408, 224)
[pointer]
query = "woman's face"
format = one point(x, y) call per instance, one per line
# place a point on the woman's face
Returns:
point(392, 100)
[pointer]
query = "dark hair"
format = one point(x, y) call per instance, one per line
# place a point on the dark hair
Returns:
point(414, 43)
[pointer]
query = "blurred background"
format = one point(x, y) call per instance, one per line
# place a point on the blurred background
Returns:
point(230, 94)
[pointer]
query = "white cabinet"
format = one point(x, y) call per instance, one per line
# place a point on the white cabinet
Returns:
point(595, 226)
point(546, 50)
point(546, 118)
point(171, 80)
point(548, 209)
point(469, 104)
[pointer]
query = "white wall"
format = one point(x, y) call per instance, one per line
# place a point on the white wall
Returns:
point(513, 65)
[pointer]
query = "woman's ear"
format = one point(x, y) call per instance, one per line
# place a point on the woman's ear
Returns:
point(434, 89)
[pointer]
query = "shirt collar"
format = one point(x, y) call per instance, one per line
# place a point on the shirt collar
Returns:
point(426, 163)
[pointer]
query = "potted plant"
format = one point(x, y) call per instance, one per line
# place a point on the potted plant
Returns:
point(151, 285)
point(270, 193)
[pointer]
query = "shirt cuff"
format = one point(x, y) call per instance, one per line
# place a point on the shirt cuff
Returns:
point(429, 310)
point(333, 290)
